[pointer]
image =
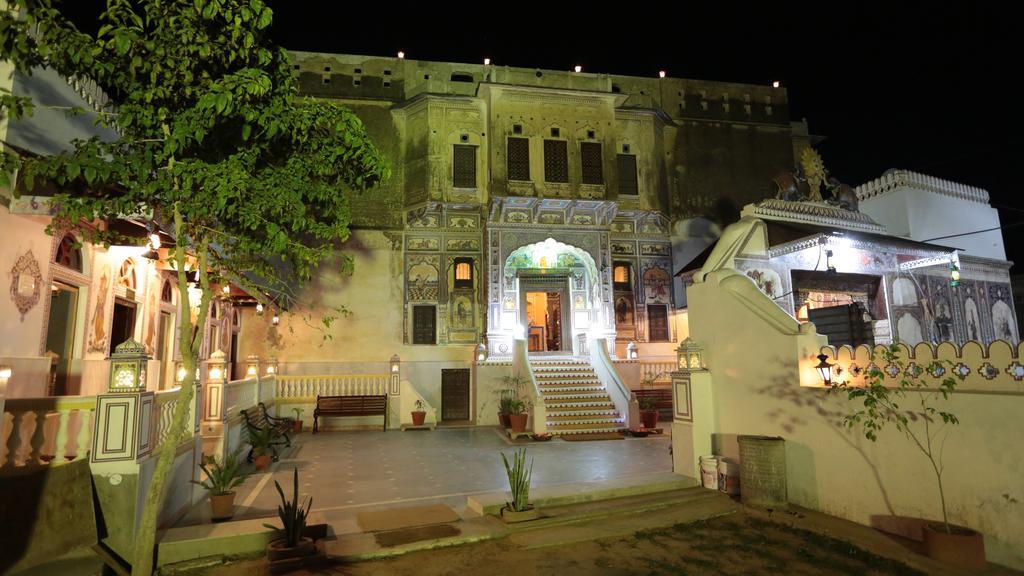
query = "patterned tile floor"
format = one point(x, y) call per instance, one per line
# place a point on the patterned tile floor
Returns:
point(371, 469)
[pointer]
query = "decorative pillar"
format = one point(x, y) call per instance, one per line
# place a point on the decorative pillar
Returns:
point(693, 420)
point(124, 414)
point(272, 366)
point(215, 416)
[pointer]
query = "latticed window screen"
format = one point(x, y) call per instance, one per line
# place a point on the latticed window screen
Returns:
point(556, 161)
point(657, 322)
point(424, 330)
point(627, 174)
point(590, 160)
point(518, 159)
point(464, 166)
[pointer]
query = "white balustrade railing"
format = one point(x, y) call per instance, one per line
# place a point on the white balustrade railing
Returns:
point(657, 369)
point(311, 386)
point(49, 430)
point(241, 395)
point(268, 389)
point(164, 403)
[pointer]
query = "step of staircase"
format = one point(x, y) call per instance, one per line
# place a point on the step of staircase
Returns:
point(576, 400)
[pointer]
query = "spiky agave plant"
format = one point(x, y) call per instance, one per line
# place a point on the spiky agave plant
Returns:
point(292, 514)
point(518, 480)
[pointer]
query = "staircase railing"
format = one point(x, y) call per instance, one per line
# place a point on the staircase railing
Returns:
point(609, 376)
point(50, 430)
point(521, 365)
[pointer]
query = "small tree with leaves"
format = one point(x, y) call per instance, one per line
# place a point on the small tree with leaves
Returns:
point(214, 144)
point(922, 420)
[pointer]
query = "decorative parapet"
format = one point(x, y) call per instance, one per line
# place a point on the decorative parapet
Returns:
point(996, 368)
point(894, 179)
point(816, 213)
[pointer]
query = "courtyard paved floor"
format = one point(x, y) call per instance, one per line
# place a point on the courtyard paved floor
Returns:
point(364, 470)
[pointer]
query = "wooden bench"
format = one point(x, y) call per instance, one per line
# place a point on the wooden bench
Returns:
point(343, 406)
point(663, 401)
point(259, 419)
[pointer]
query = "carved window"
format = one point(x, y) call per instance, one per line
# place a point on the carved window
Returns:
point(424, 324)
point(590, 161)
point(518, 159)
point(657, 322)
point(126, 276)
point(166, 295)
point(556, 161)
point(622, 276)
point(68, 254)
point(463, 272)
point(627, 175)
point(464, 166)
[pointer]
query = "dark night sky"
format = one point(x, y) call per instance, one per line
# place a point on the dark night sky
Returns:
point(915, 85)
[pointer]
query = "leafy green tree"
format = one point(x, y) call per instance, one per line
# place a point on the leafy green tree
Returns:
point(923, 421)
point(213, 141)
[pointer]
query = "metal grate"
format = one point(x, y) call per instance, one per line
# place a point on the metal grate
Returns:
point(590, 161)
point(464, 166)
point(556, 161)
point(518, 159)
point(627, 175)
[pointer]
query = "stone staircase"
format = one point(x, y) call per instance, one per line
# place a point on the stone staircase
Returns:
point(576, 401)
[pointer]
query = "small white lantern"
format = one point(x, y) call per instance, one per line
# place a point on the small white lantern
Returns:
point(272, 366)
point(631, 352)
point(128, 367)
point(481, 352)
point(252, 366)
point(395, 364)
point(691, 356)
point(217, 370)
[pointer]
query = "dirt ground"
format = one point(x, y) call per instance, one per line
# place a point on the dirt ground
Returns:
point(735, 544)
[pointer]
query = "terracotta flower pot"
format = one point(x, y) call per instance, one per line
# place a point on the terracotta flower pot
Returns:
point(649, 418)
point(418, 417)
point(297, 426)
point(277, 550)
point(518, 422)
point(222, 506)
point(503, 420)
point(961, 547)
point(262, 461)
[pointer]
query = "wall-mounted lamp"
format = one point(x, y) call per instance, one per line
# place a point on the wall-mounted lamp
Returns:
point(481, 352)
point(401, 55)
point(830, 267)
point(259, 309)
point(487, 61)
point(578, 68)
point(775, 84)
point(5, 372)
point(661, 73)
point(275, 320)
point(824, 369)
point(395, 364)
point(179, 374)
point(252, 366)
point(272, 367)
point(631, 352)
point(954, 275)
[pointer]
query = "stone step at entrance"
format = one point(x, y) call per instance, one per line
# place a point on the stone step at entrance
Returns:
point(576, 400)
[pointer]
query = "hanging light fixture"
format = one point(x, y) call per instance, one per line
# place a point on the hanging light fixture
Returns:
point(830, 267)
point(824, 369)
point(259, 309)
point(954, 275)
point(275, 320)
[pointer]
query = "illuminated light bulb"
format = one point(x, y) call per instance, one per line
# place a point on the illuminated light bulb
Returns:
point(259, 308)
point(487, 61)
point(154, 241)
point(578, 68)
point(775, 84)
point(181, 374)
point(661, 74)
point(251, 370)
point(226, 289)
point(275, 320)
point(401, 55)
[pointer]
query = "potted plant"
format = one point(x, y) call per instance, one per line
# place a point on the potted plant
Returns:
point(649, 405)
point(513, 385)
point(261, 440)
point(419, 415)
point(519, 508)
point(292, 544)
point(505, 408)
point(924, 426)
point(297, 423)
point(221, 479)
point(518, 415)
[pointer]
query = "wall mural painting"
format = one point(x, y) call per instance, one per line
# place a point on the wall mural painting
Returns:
point(624, 311)
point(973, 320)
point(423, 281)
point(98, 327)
point(1003, 323)
point(767, 280)
point(26, 283)
point(421, 244)
point(578, 302)
point(656, 285)
point(943, 320)
point(462, 312)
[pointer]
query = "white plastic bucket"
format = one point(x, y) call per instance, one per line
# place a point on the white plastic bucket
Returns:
point(728, 476)
point(709, 471)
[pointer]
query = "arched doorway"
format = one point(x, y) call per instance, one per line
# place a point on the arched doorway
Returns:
point(551, 294)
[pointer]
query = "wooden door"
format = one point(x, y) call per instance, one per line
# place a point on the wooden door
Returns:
point(455, 394)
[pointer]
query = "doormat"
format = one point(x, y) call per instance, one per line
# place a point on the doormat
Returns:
point(399, 537)
point(587, 437)
point(399, 518)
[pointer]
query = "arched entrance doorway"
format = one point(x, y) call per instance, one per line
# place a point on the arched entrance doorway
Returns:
point(550, 295)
